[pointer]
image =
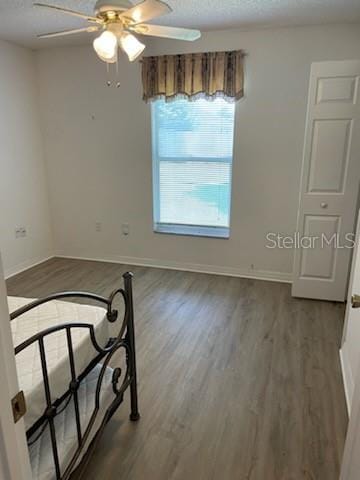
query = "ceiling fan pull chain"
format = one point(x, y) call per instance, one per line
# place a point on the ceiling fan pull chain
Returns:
point(108, 81)
point(117, 70)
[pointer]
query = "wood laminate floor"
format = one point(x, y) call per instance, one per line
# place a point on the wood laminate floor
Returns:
point(237, 380)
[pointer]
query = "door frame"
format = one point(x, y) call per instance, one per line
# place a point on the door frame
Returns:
point(349, 381)
point(351, 458)
point(14, 455)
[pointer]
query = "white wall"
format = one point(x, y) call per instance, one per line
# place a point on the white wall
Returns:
point(23, 189)
point(98, 151)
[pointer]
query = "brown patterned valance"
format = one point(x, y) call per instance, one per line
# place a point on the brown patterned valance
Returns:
point(194, 75)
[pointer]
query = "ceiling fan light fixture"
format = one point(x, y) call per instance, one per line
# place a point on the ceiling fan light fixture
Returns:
point(118, 19)
point(131, 46)
point(106, 47)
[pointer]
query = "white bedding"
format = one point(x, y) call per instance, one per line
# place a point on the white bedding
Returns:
point(41, 455)
point(28, 361)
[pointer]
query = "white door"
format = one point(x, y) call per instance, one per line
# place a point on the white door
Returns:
point(330, 181)
point(14, 457)
point(350, 350)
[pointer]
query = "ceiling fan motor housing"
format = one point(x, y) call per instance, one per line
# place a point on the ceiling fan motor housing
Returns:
point(103, 6)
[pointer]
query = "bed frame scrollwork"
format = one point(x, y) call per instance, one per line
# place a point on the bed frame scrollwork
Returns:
point(121, 381)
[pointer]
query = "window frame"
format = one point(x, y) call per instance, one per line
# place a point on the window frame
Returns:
point(208, 231)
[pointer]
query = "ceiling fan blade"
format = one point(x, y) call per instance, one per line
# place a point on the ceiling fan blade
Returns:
point(69, 32)
point(89, 18)
point(145, 11)
point(167, 32)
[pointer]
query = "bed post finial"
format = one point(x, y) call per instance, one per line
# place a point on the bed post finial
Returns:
point(128, 275)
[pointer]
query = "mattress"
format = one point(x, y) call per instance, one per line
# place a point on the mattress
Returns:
point(41, 456)
point(28, 361)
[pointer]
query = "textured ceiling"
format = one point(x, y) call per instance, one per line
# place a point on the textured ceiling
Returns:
point(20, 21)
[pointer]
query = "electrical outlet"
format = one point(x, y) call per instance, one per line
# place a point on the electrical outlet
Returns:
point(98, 227)
point(125, 228)
point(20, 232)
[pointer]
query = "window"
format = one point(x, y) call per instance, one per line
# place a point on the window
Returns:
point(192, 164)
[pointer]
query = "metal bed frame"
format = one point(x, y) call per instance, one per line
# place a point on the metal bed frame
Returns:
point(125, 340)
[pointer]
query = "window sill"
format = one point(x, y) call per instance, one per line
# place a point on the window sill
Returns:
point(192, 230)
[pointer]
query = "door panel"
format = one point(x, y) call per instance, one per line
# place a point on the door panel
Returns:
point(319, 260)
point(336, 89)
point(329, 156)
point(330, 180)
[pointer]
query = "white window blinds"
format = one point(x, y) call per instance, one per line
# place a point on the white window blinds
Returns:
point(192, 163)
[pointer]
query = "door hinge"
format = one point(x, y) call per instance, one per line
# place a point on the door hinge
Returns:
point(18, 406)
point(355, 301)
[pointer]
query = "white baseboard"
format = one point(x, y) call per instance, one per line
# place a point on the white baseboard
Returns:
point(347, 378)
point(11, 272)
point(190, 267)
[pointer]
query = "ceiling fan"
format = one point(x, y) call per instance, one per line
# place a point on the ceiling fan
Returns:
point(118, 20)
